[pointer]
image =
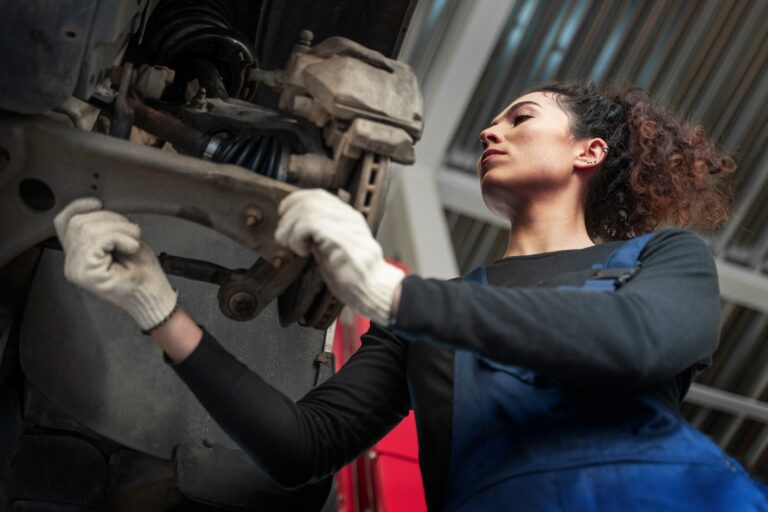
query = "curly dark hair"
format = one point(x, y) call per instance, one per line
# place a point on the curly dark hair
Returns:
point(659, 170)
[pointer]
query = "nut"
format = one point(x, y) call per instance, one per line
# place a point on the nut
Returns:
point(278, 258)
point(253, 216)
point(242, 304)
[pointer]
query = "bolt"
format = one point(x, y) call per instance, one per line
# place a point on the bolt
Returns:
point(278, 258)
point(306, 37)
point(242, 303)
point(253, 216)
point(5, 157)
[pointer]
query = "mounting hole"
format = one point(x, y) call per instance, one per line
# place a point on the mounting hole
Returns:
point(96, 175)
point(36, 194)
point(70, 34)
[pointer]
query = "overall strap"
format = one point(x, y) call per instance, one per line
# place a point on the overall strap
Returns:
point(620, 267)
point(476, 276)
point(628, 255)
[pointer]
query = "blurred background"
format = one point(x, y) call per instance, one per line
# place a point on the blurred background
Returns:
point(706, 58)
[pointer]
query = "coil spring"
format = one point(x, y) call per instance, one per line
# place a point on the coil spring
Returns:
point(197, 39)
point(259, 153)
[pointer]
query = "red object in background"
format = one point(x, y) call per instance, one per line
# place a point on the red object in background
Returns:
point(386, 478)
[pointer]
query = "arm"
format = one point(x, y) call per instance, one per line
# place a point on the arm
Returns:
point(303, 442)
point(296, 443)
point(660, 323)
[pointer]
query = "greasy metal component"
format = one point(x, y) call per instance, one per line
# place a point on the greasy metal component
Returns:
point(82, 115)
point(184, 138)
point(213, 114)
point(191, 268)
point(366, 135)
point(253, 216)
point(308, 301)
point(243, 295)
point(313, 170)
point(254, 150)
point(127, 178)
point(345, 80)
point(112, 25)
point(123, 112)
point(210, 149)
point(385, 26)
point(371, 188)
point(91, 361)
point(198, 40)
point(151, 81)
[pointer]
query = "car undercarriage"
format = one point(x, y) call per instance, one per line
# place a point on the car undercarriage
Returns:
point(195, 119)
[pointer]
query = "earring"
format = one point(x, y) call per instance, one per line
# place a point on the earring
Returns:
point(605, 149)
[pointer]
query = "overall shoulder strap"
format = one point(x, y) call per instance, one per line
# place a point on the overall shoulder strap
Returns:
point(628, 255)
point(476, 276)
point(620, 267)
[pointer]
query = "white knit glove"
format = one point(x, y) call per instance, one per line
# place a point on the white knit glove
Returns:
point(350, 259)
point(106, 256)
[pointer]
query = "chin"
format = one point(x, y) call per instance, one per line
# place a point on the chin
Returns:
point(499, 203)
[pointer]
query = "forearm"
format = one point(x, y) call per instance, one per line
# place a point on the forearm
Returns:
point(179, 336)
point(302, 442)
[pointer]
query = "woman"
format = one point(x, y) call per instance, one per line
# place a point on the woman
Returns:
point(530, 391)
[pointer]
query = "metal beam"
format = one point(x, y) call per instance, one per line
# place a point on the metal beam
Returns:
point(720, 400)
point(414, 228)
point(452, 83)
point(743, 286)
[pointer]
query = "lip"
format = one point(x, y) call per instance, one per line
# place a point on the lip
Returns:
point(488, 153)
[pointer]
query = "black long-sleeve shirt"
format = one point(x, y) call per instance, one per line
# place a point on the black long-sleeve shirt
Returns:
point(652, 334)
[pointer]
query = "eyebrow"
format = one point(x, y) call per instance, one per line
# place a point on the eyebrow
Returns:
point(514, 108)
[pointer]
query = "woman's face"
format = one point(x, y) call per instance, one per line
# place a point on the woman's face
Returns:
point(528, 153)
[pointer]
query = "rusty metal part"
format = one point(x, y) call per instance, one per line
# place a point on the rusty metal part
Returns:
point(313, 170)
point(348, 81)
point(122, 112)
point(308, 301)
point(151, 81)
point(243, 295)
point(253, 215)
point(82, 115)
point(184, 138)
point(49, 165)
point(371, 188)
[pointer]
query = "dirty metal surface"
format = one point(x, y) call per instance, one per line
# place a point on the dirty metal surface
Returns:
point(91, 361)
point(49, 165)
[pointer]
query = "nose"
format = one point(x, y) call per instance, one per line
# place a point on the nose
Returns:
point(489, 136)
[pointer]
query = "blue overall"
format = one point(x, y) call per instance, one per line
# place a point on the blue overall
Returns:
point(523, 441)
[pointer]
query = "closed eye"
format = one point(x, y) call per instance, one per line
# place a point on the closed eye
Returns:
point(519, 119)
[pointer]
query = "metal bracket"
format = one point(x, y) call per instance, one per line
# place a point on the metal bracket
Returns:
point(48, 165)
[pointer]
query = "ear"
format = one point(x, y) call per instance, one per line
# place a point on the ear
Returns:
point(591, 155)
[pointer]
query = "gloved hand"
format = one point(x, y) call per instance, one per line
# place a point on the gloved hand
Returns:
point(106, 256)
point(350, 259)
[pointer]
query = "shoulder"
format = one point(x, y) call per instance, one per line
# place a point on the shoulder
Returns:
point(675, 243)
point(677, 256)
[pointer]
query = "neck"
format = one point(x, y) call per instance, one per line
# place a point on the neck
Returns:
point(547, 226)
